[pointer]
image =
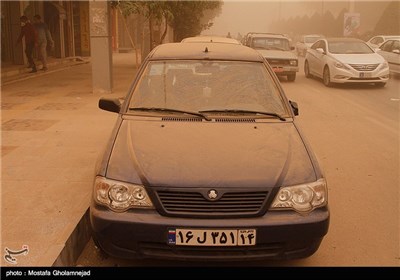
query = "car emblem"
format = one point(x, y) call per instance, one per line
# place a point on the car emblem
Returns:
point(212, 194)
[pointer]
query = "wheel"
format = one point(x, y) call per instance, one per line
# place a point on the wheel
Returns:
point(102, 254)
point(291, 77)
point(380, 85)
point(327, 77)
point(307, 70)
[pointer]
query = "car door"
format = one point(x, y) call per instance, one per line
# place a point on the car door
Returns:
point(313, 57)
point(319, 58)
point(391, 52)
point(322, 58)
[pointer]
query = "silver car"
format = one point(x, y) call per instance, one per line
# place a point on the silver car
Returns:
point(306, 42)
point(390, 50)
point(345, 60)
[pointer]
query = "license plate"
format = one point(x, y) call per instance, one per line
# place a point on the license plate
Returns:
point(365, 75)
point(276, 69)
point(212, 237)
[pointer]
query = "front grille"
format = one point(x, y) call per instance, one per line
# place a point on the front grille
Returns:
point(364, 67)
point(363, 79)
point(278, 61)
point(152, 249)
point(230, 203)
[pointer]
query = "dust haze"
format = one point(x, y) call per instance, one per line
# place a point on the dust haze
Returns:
point(296, 18)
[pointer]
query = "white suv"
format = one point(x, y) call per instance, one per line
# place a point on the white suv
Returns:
point(277, 50)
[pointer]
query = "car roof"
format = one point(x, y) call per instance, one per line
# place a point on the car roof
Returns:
point(268, 35)
point(314, 35)
point(342, 39)
point(213, 51)
point(388, 36)
point(211, 39)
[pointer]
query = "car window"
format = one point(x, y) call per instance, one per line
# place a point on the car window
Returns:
point(376, 40)
point(271, 44)
point(316, 45)
point(194, 85)
point(323, 45)
point(387, 46)
point(351, 47)
point(396, 45)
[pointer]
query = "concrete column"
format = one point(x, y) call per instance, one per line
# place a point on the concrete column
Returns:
point(100, 44)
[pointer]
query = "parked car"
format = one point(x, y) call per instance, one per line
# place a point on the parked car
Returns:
point(378, 40)
point(390, 50)
point(277, 50)
point(305, 43)
point(345, 60)
point(211, 39)
point(206, 162)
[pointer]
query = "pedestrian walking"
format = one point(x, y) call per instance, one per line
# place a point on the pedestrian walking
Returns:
point(29, 32)
point(44, 39)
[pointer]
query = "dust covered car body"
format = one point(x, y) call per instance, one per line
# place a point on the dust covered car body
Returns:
point(206, 162)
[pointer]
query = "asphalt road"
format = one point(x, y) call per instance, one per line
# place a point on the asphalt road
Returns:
point(354, 131)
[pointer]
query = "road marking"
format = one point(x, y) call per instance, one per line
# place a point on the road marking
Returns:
point(394, 99)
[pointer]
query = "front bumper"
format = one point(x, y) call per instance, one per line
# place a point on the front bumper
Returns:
point(283, 70)
point(144, 234)
point(340, 75)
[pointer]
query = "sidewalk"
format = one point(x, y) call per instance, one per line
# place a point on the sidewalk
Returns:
point(11, 73)
point(52, 132)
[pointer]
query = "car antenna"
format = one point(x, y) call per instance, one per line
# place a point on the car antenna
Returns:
point(206, 50)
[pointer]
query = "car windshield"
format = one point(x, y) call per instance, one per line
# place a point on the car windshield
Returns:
point(310, 40)
point(349, 48)
point(271, 44)
point(198, 85)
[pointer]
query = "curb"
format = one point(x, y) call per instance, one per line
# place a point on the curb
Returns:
point(76, 242)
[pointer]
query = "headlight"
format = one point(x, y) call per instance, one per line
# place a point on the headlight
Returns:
point(120, 196)
point(302, 198)
point(384, 65)
point(340, 65)
point(293, 62)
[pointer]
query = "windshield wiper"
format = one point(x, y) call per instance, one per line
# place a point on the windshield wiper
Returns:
point(170, 111)
point(244, 111)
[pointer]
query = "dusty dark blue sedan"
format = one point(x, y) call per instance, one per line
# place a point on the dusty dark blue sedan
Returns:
point(206, 162)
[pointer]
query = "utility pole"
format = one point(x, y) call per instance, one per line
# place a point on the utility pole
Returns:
point(100, 46)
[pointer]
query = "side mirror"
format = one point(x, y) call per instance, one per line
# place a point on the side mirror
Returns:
point(295, 107)
point(396, 51)
point(320, 50)
point(110, 104)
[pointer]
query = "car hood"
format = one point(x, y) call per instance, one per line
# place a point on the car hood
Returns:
point(370, 58)
point(209, 154)
point(277, 54)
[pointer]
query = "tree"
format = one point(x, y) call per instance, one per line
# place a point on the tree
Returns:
point(192, 17)
point(388, 24)
point(187, 18)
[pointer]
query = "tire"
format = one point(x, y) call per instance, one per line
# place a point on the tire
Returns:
point(327, 77)
point(380, 85)
point(291, 77)
point(103, 254)
point(307, 70)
